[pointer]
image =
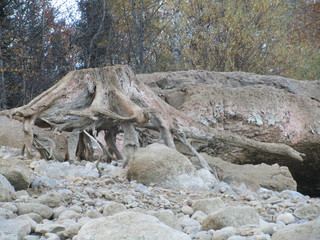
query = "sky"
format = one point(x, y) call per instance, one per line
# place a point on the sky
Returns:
point(68, 9)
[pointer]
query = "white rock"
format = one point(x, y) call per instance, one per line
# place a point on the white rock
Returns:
point(236, 238)
point(7, 192)
point(31, 237)
point(17, 227)
point(208, 205)
point(129, 225)
point(262, 237)
point(76, 208)
point(231, 216)
point(199, 216)
point(43, 210)
point(186, 221)
point(167, 217)
point(49, 227)
point(187, 210)
point(10, 206)
point(69, 214)
point(112, 208)
point(286, 218)
point(52, 236)
point(224, 233)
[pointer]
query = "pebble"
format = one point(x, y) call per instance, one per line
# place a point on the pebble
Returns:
point(187, 210)
point(59, 213)
point(286, 218)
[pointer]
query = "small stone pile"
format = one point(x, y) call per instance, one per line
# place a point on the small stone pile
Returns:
point(48, 200)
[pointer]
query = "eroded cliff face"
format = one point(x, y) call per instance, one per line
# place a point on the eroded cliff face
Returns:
point(265, 108)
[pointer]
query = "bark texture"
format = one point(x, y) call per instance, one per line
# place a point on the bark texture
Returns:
point(111, 99)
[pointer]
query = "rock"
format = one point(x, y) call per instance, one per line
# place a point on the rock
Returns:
point(11, 133)
point(162, 166)
point(17, 227)
point(307, 211)
point(71, 229)
point(69, 214)
point(167, 217)
point(6, 213)
point(199, 216)
point(208, 205)
point(49, 227)
point(43, 210)
point(224, 233)
point(31, 237)
point(10, 206)
point(254, 176)
point(129, 225)
point(185, 221)
point(264, 108)
point(17, 173)
point(230, 216)
point(309, 230)
point(187, 210)
point(111, 208)
point(52, 199)
point(7, 192)
point(237, 238)
point(286, 218)
point(93, 214)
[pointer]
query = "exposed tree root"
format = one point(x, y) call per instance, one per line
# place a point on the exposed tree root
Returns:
point(111, 99)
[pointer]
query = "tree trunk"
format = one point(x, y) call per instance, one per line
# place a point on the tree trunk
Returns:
point(109, 98)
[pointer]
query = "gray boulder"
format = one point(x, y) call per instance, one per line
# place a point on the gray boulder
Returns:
point(16, 227)
point(272, 177)
point(231, 216)
point(130, 226)
point(7, 192)
point(43, 210)
point(208, 205)
point(164, 167)
point(305, 231)
point(17, 173)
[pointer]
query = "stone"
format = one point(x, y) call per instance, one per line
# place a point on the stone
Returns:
point(111, 208)
point(199, 216)
point(7, 192)
point(10, 206)
point(49, 227)
point(17, 173)
point(236, 238)
point(224, 233)
point(31, 237)
point(69, 214)
point(309, 230)
point(71, 229)
point(307, 211)
point(129, 225)
point(6, 213)
point(268, 228)
point(93, 214)
point(43, 210)
point(264, 108)
point(57, 211)
point(162, 166)
point(187, 210)
point(286, 218)
point(52, 199)
point(275, 177)
point(17, 227)
point(231, 216)
point(167, 217)
point(187, 221)
point(208, 205)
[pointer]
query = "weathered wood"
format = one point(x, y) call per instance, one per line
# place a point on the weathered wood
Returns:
point(103, 99)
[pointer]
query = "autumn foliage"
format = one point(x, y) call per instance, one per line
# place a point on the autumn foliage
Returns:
point(39, 44)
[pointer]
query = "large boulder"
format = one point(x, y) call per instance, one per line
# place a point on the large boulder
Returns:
point(162, 166)
point(131, 226)
point(264, 108)
point(11, 133)
point(309, 230)
point(17, 172)
point(272, 177)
